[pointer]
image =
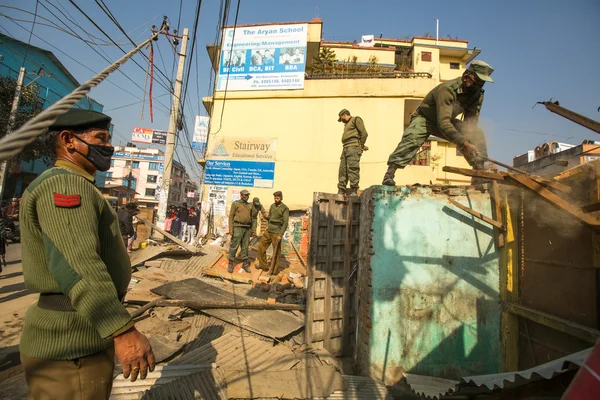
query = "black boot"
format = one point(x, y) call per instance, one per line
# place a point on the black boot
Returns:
point(230, 268)
point(353, 192)
point(341, 191)
point(246, 267)
point(388, 178)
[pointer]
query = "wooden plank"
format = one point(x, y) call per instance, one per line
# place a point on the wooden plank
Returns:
point(347, 269)
point(509, 289)
point(472, 172)
point(591, 208)
point(328, 280)
point(497, 214)
point(476, 214)
point(555, 200)
point(312, 272)
point(183, 244)
point(562, 325)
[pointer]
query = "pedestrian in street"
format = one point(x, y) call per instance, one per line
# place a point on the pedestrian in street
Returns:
point(183, 217)
point(3, 222)
point(193, 220)
point(437, 115)
point(278, 218)
point(125, 215)
point(132, 239)
point(353, 142)
point(242, 222)
point(74, 256)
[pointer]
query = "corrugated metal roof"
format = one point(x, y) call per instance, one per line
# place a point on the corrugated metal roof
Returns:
point(431, 387)
point(204, 329)
point(196, 264)
point(124, 389)
point(206, 385)
point(242, 353)
point(150, 252)
point(361, 388)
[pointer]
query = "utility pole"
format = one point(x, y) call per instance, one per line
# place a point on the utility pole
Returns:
point(129, 177)
point(173, 122)
point(11, 121)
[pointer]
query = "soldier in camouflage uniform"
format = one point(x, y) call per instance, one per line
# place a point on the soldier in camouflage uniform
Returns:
point(353, 141)
point(437, 115)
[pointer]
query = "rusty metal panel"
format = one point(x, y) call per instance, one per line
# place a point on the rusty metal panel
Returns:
point(333, 260)
point(271, 323)
point(196, 264)
point(204, 329)
point(205, 385)
point(557, 270)
point(429, 282)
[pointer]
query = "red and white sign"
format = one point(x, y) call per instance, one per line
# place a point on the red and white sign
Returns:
point(142, 135)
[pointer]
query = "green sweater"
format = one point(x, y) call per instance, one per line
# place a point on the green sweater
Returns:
point(279, 216)
point(72, 245)
point(355, 133)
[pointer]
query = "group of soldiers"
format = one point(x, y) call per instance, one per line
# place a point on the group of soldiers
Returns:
point(438, 114)
point(243, 221)
point(75, 257)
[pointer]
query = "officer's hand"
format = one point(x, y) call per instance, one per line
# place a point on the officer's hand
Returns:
point(469, 151)
point(230, 232)
point(365, 148)
point(135, 354)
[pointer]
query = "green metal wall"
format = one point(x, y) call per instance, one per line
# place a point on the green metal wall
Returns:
point(434, 301)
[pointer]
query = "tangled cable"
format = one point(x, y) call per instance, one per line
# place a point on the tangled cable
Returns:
point(13, 143)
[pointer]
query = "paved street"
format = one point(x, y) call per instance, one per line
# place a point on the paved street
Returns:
point(15, 300)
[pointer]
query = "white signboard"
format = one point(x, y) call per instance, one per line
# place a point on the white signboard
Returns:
point(269, 57)
point(217, 196)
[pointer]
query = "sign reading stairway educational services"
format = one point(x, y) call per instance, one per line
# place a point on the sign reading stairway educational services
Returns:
point(242, 161)
point(269, 57)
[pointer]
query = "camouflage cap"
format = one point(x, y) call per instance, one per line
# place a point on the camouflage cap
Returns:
point(482, 69)
point(80, 119)
point(343, 112)
point(245, 192)
point(256, 201)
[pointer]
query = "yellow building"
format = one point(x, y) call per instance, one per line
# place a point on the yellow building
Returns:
point(383, 84)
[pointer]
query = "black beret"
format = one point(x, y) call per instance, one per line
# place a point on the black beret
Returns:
point(278, 194)
point(80, 119)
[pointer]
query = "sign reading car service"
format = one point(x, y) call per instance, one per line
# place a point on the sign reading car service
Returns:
point(270, 57)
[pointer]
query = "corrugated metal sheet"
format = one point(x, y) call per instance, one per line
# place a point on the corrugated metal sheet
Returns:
point(205, 385)
point(124, 389)
point(433, 388)
point(241, 353)
point(204, 329)
point(271, 323)
point(196, 264)
point(150, 252)
point(361, 388)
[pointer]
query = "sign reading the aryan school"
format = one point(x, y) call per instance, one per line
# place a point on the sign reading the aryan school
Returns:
point(270, 57)
point(242, 161)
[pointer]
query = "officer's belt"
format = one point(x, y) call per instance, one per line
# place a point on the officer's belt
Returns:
point(238, 225)
point(355, 143)
point(276, 223)
point(55, 302)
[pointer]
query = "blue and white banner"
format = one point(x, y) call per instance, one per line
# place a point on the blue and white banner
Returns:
point(270, 57)
point(256, 174)
point(200, 133)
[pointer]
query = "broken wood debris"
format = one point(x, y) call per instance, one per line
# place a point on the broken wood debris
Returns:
point(271, 323)
point(476, 214)
point(207, 304)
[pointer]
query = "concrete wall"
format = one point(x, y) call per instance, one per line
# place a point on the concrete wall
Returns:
point(363, 54)
point(428, 285)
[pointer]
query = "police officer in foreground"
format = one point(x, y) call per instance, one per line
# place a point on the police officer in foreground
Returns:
point(74, 256)
point(437, 115)
point(242, 223)
point(278, 217)
point(353, 142)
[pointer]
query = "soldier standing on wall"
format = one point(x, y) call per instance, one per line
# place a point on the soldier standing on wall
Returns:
point(353, 142)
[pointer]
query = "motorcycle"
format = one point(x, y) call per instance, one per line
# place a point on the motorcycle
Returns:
point(12, 231)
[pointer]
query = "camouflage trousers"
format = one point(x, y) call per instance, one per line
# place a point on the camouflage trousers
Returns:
point(418, 132)
point(349, 167)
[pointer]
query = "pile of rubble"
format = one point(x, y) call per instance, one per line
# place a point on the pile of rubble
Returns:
point(217, 335)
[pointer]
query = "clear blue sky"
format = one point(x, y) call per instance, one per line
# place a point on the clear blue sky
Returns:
point(539, 49)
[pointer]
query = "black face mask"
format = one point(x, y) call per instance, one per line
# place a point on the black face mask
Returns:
point(99, 156)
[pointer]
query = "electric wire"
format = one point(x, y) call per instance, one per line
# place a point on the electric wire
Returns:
point(31, 32)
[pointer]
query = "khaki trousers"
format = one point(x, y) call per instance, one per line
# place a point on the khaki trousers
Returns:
point(265, 241)
point(85, 378)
